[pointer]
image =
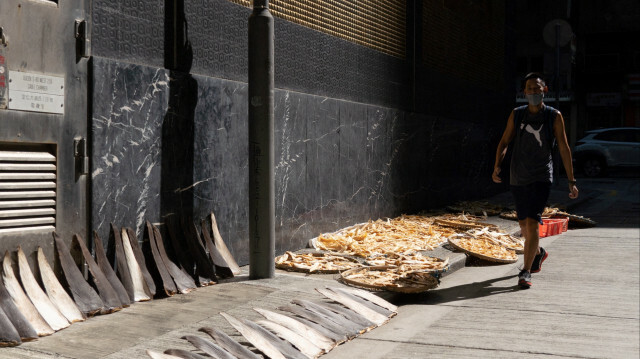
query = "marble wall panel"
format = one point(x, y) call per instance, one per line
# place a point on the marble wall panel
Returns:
point(353, 193)
point(220, 167)
point(291, 169)
point(129, 104)
point(380, 159)
point(322, 150)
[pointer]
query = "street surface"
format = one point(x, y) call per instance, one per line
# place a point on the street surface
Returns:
point(583, 304)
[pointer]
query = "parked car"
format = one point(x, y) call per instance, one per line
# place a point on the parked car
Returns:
point(607, 147)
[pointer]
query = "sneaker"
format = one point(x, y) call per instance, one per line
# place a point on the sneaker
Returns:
point(524, 279)
point(538, 259)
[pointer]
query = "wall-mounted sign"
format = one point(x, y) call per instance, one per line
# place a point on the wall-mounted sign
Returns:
point(36, 92)
point(4, 92)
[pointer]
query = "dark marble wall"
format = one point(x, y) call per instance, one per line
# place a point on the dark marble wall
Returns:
point(166, 143)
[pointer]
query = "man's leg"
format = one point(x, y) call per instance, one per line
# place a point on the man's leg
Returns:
point(530, 231)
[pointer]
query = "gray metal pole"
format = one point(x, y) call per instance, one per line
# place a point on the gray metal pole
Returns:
point(261, 148)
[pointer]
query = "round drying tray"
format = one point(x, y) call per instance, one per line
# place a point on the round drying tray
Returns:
point(411, 282)
point(452, 242)
point(289, 266)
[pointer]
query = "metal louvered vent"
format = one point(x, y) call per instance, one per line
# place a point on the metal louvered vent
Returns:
point(27, 191)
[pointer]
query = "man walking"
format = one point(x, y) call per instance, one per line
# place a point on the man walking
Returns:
point(533, 128)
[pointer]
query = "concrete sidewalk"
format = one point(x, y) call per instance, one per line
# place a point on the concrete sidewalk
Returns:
point(583, 304)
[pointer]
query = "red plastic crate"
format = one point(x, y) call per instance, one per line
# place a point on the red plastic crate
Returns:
point(552, 226)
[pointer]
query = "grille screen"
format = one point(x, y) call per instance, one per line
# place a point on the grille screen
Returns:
point(377, 24)
point(27, 191)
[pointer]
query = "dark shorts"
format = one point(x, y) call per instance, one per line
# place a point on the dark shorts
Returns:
point(531, 199)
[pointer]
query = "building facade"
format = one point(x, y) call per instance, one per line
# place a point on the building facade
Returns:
point(381, 108)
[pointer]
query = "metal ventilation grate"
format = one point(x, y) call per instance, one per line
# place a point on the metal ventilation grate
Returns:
point(377, 24)
point(27, 191)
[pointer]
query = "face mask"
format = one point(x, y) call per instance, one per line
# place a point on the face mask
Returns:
point(535, 99)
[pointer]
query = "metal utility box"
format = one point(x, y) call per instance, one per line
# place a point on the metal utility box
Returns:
point(44, 50)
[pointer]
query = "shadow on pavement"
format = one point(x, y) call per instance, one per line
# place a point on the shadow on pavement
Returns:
point(457, 293)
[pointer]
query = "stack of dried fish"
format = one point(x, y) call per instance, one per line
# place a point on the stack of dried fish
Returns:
point(506, 240)
point(479, 208)
point(410, 262)
point(315, 262)
point(484, 247)
point(301, 330)
point(550, 212)
point(391, 278)
point(404, 234)
point(29, 309)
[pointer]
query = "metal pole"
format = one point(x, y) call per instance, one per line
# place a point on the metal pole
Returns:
point(261, 148)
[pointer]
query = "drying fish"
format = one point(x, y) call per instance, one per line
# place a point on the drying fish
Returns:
point(483, 248)
point(141, 291)
point(122, 268)
point(283, 346)
point(314, 336)
point(315, 262)
point(372, 298)
point(307, 314)
point(503, 239)
point(476, 207)
point(18, 320)
point(137, 253)
point(107, 270)
point(106, 292)
point(9, 336)
point(87, 300)
point(351, 315)
point(208, 347)
point(305, 346)
point(56, 292)
point(228, 344)
point(157, 355)
point(348, 302)
point(405, 234)
point(222, 247)
point(183, 281)
point(461, 223)
point(167, 283)
point(184, 354)
point(21, 300)
point(390, 278)
point(411, 262)
point(384, 311)
point(47, 309)
point(223, 269)
point(254, 337)
point(336, 337)
point(205, 272)
point(179, 246)
point(353, 328)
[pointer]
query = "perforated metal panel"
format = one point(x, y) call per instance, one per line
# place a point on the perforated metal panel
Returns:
point(377, 24)
point(27, 191)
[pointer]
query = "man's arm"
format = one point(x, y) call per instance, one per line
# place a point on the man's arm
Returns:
point(565, 153)
point(507, 136)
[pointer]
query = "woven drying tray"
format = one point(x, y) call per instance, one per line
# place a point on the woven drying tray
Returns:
point(454, 244)
point(462, 224)
point(421, 282)
point(579, 221)
point(414, 262)
point(289, 266)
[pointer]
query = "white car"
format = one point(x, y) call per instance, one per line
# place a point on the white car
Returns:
point(607, 147)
